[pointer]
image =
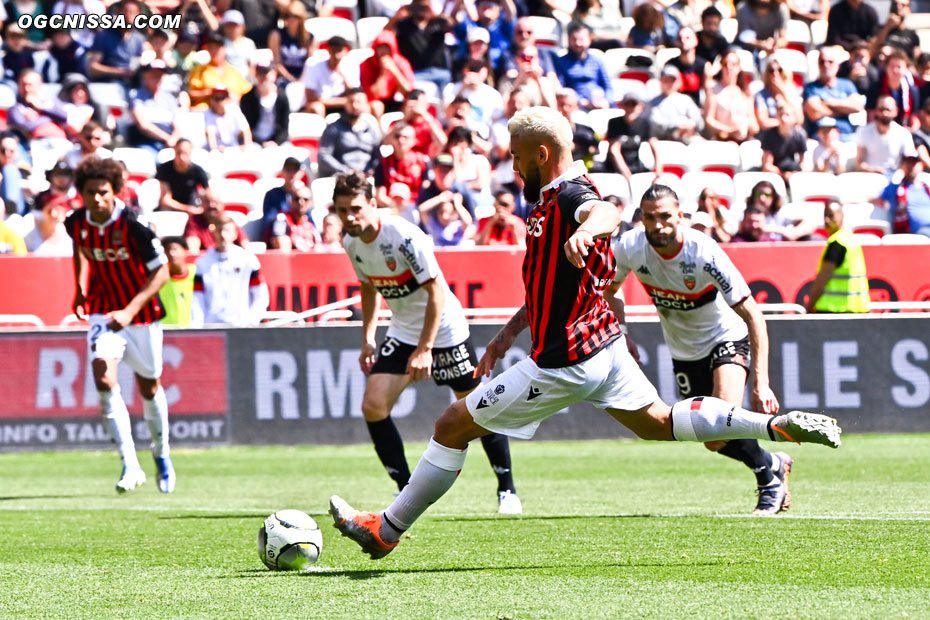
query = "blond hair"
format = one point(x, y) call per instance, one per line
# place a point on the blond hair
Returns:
point(544, 124)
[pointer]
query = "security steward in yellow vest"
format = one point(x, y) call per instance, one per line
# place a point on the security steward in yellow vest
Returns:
point(842, 284)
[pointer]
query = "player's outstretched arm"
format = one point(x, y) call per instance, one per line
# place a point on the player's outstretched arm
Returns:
point(598, 218)
point(80, 264)
point(501, 343)
point(762, 397)
point(371, 301)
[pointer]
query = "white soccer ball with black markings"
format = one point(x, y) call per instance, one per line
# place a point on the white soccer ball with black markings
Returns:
point(289, 540)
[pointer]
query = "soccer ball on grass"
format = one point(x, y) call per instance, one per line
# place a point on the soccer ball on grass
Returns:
point(289, 540)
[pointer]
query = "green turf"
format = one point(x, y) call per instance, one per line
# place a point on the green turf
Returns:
point(611, 529)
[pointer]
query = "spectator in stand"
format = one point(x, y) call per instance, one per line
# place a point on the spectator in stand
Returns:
point(883, 142)
point(261, 17)
point(421, 39)
point(177, 294)
point(894, 33)
point(198, 232)
point(831, 96)
point(487, 14)
point(711, 44)
point(175, 76)
point(922, 134)
point(897, 82)
point(728, 107)
point(84, 37)
point(626, 133)
point(204, 78)
point(752, 226)
point(459, 113)
point(779, 225)
point(584, 140)
point(603, 19)
point(290, 45)
point(478, 50)
point(184, 54)
point(784, 146)
point(266, 107)
point(17, 54)
point(14, 9)
point(673, 115)
point(353, 142)
point(182, 181)
point(387, 76)
point(228, 286)
point(809, 11)
point(531, 77)
point(332, 234)
point(762, 25)
point(327, 80)
point(859, 69)
point(909, 200)
point(49, 236)
point(525, 35)
point(690, 65)
point(154, 111)
point(11, 242)
point(448, 222)
point(648, 31)
point(78, 105)
point(431, 137)
point(486, 102)
point(502, 228)
point(444, 186)
point(128, 193)
point(500, 138)
point(404, 166)
point(239, 48)
point(778, 88)
point(114, 56)
point(922, 75)
point(35, 117)
point(724, 221)
point(582, 72)
point(851, 21)
point(293, 230)
point(842, 274)
point(92, 140)
point(471, 168)
point(702, 222)
point(12, 177)
point(199, 17)
point(826, 155)
point(67, 53)
point(226, 126)
point(276, 198)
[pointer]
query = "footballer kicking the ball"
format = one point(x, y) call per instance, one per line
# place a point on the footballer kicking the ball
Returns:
point(577, 354)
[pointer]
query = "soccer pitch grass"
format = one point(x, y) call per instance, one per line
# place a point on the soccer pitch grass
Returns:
point(611, 529)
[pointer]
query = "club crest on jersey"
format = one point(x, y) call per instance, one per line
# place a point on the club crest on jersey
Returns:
point(690, 283)
point(117, 237)
point(391, 263)
point(388, 251)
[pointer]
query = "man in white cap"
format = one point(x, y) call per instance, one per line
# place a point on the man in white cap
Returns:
point(672, 114)
point(239, 48)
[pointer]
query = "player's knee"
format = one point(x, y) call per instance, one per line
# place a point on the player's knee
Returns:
point(714, 446)
point(450, 429)
point(374, 409)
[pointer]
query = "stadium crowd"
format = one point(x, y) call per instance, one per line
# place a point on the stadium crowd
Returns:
point(755, 113)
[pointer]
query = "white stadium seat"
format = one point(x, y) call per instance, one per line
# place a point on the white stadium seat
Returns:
point(693, 183)
point(860, 186)
point(814, 186)
point(715, 156)
point(325, 28)
point(611, 184)
point(368, 28)
point(168, 223)
point(905, 239)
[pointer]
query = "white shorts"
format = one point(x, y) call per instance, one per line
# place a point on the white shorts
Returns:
point(140, 346)
point(517, 400)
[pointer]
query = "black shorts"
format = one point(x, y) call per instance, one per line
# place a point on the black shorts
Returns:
point(452, 366)
point(696, 378)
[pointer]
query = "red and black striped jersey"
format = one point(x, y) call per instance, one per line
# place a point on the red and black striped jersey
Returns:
point(568, 316)
point(121, 255)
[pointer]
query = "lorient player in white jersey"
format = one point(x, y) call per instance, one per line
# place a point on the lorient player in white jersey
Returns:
point(428, 334)
point(578, 353)
point(714, 330)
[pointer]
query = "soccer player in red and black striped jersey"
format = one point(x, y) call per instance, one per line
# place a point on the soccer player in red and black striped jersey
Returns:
point(119, 265)
point(578, 351)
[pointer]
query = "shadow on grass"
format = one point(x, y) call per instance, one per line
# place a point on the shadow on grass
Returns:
point(10, 498)
point(320, 572)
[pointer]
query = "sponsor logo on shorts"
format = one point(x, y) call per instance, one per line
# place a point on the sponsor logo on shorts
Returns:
point(534, 392)
point(482, 404)
point(452, 363)
point(500, 389)
point(491, 396)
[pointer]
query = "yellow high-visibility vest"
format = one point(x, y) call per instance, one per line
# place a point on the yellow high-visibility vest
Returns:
point(848, 288)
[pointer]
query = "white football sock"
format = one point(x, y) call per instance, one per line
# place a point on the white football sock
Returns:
point(434, 475)
point(114, 412)
point(156, 415)
point(706, 418)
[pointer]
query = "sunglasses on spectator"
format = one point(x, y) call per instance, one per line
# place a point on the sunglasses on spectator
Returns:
point(765, 194)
